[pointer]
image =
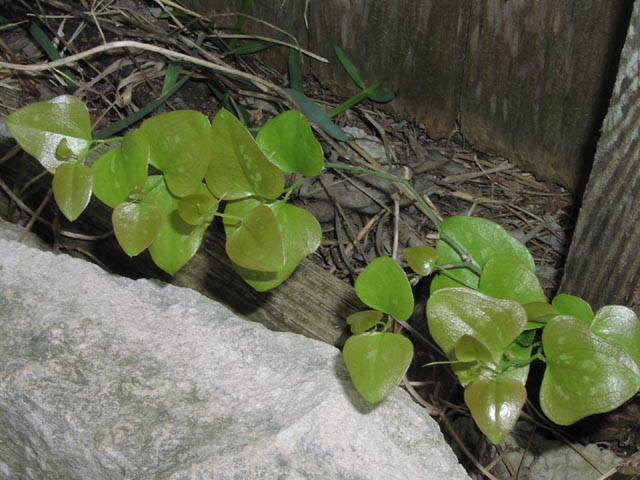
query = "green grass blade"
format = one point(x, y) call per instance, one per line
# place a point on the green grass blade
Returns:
point(349, 66)
point(143, 112)
point(357, 98)
point(170, 79)
point(247, 5)
point(295, 71)
point(51, 51)
point(316, 114)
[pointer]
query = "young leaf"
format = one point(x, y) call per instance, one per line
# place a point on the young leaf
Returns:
point(362, 321)
point(575, 306)
point(482, 239)
point(301, 235)
point(506, 277)
point(177, 241)
point(495, 405)
point(72, 184)
point(121, 170)
point(136, 225)
point(454, 312)
point(421, 259)
point(377, 362)
point(288, 142)
point(197, 208)
point(384, 286)
point(40, 128)
point(238, 167)
point(257, 244)
point(316, 114)
point(585, 374)
point(619, 325)
point(180, 146)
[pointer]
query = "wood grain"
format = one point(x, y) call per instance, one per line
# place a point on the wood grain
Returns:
point(603, 264)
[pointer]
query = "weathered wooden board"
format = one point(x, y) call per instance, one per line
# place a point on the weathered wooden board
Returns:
point(604, 264)
point(526, 80)
point(312, 302)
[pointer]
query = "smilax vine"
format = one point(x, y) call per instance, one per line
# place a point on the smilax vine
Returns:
point(486, 309)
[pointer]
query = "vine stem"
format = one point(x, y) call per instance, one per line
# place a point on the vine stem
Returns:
point(392, 178)
point(459, 249)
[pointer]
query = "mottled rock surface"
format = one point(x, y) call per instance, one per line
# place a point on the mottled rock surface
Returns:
point(102, 377)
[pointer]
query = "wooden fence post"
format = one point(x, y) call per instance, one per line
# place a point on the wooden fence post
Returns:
point(603, 265)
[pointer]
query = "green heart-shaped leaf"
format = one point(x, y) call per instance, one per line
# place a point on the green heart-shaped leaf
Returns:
point(482, 239)
point(421, 259)
point(60, 125)
point(121, 170)
point(384, 286)
point(195, 209)
point(238, 167)
point(287, 140)
point(72, 184)
point(506, 277)
point(180, 146)
point(575, 306)
point(495, 405)
point(377, 362)
point(454, 312)
point(136, 225)
point(619, 325)
point(177, 241)
point(257, 244)
point(585, 374)
point(360, 322)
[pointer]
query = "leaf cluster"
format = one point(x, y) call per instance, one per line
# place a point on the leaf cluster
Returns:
point(206, 169)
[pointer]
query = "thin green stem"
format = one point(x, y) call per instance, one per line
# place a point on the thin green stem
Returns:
point(468, 265)
point(290, 190)
point(392, 178)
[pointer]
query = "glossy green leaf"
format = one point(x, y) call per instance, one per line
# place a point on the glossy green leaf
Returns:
point(257, 243)
point(136, 225)
point(575, 306)
point(377, 362)
point(585, 374)
point(180, 146)
point(384, 286)
point(197, 208)
point(506, 277)
point(289, 143)
point(619, 325)
point(121, 170)
point(40, 127)
point(454, 312)
point(238, 167)
point(72, 185)
point(495, 405)
point(470, 349)
point(316, 114)
point(301, 235)
point(482, 239)
point(421, 259)
point(362, 321)
point(63, 151)
point(177, 241)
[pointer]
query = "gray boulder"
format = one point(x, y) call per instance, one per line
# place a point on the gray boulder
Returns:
point(102, 377)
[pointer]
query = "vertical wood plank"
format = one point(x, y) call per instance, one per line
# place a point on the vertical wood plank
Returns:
point(603, 264)
point(537, 81)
